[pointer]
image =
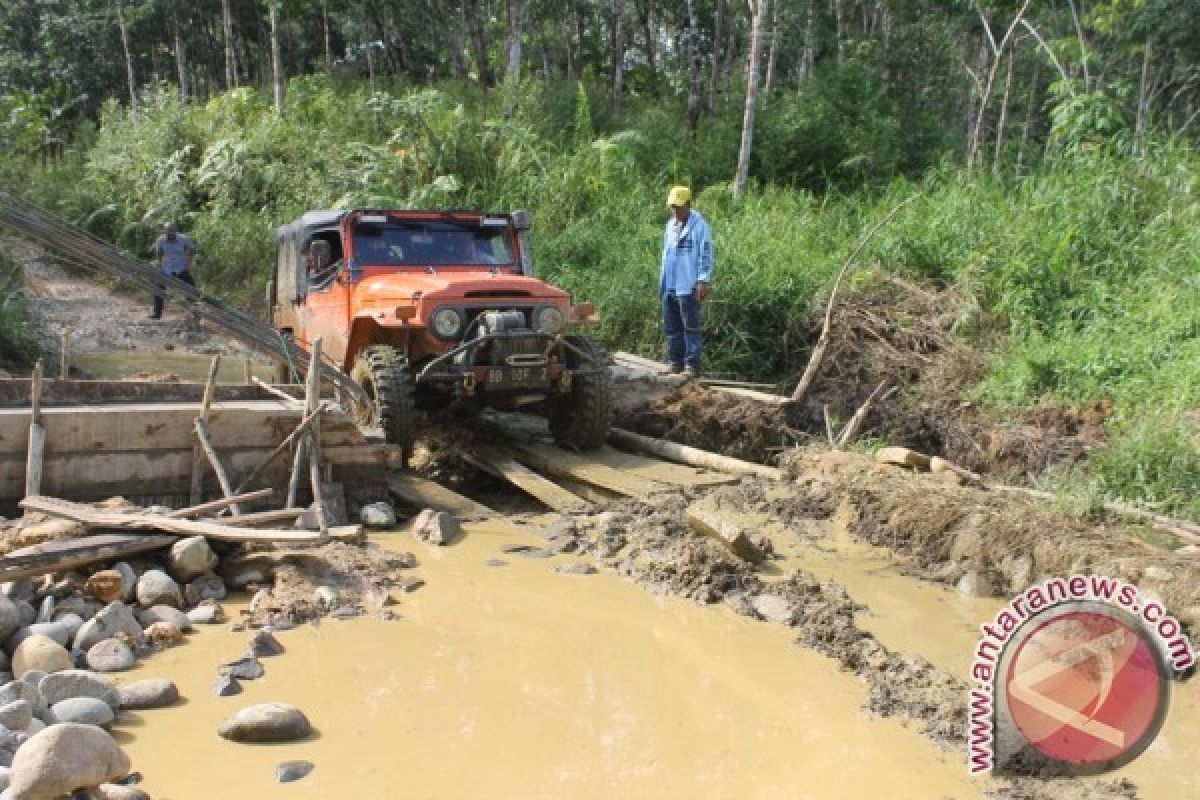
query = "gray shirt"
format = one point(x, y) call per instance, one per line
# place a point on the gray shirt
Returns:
point(174, 253)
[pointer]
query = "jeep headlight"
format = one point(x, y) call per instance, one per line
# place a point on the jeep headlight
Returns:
point(447, 323)
point(549, 320)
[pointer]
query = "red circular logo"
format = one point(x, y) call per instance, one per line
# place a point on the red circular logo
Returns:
point(1084, 687)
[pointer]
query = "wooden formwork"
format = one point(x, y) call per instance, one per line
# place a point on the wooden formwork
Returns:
point(135, 439)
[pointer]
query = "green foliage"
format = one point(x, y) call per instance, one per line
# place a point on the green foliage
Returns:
point(1150, 461)
point(18, 344)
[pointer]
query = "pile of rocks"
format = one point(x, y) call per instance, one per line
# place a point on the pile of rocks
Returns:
point(105, 621)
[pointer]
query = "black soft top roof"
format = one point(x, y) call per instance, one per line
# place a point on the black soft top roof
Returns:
point(311, 221)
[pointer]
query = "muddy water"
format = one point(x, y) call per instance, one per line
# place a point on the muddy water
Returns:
point(515, 681)
point(919, 618)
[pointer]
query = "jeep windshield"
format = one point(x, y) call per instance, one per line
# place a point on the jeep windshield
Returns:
point(431, 243)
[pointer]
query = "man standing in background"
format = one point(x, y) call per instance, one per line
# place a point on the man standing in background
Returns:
point(173, 253)
point(687, 265)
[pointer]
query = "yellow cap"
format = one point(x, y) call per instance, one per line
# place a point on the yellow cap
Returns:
point(679, 196)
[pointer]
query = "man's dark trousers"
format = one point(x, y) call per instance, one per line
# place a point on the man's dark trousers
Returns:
point(681, 321)
point(159, 299)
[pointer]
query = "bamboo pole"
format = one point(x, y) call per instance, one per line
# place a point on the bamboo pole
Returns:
point(196, 494)
point(222, 476)
point(691, 456)
point(37, 436)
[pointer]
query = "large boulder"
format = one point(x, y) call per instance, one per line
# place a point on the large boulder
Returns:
point(10, 617)
point(59, 686)
point(164, 613)
point(40, 653)
point(190, 558)
point(148, 693)
point(155, 587)
point(436, 527)
point(207, 587)
point(110, 655)
point(62, 758)
point(266, 722)
point(107, 586)
point(84, 710)
point(113, 619)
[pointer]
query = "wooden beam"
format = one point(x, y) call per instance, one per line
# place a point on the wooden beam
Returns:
point(724, 384)
point(650, 365)
point(691, 455)
point(713, 525)
point(14, 392)
point(125, 520)
point(217, 505)
point(558, 462)
point(421, 493)
point(269, 389)
point(546, 492)
point(312, 401)
point(66, 554)
point(64, 367)
point(215, 462)
point(284, 445)
point(264, 517)
point(197, 488)
point(655, 469)
point(751, 394)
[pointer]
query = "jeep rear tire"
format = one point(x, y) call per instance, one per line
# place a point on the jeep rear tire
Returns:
point(579, 418)
point(383, 372)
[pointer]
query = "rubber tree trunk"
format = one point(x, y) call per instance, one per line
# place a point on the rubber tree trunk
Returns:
point(770, 79)
point(693, 51)
point(276, 55)
point(618, 51)
point(516, 22)
point(759, 9)
point(230, 59)
point(181, 65)
point(129, 77)
point(483, 65)
point(714, 78)
point(325, 36)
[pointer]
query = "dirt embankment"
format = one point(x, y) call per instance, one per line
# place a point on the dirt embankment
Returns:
point(896, 334)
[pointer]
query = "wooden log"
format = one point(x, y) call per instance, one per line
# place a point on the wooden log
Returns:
point(92, 517)
point(64, 366)
point(719, 383)
point(752, 394)
point(850, 432)
point(66, 554)
point(217, 505)
point(284, 445)
point(312, 401)
point(545, 491)
point(37, 436)
point(650, 365)
point(421, 494)
point(215, 462)
point(691, 455)
point(712, 524)
point(197, 489)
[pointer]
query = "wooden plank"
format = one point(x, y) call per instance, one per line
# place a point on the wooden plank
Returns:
point(264, 517)
point(713, 525)
point(632, 360)
point(140, 520)
point(544, 491)
point(421, 493)
point(14, 392)
point(769, 388)
point(761, 397)
point(545, 458)
point(662, 471)
point(36, 447)
point(66, 554)
point(198, 450)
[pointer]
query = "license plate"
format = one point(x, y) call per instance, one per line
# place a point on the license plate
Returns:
point(517, 377)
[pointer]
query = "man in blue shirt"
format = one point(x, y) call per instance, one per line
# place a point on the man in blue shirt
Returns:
point(687, 265)
point(173, 253)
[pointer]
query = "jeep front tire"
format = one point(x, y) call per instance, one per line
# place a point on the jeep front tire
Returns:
point(579, 418)
point(383, 372)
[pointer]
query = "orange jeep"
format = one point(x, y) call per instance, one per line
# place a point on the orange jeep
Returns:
point(434, 309)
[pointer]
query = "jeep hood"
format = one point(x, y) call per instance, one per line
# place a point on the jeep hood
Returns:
point(448, 287)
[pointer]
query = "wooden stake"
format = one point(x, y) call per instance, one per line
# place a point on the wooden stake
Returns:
point(312, 400)
point(222, 476)
point(850, 432)
point(247, 371)
point(217, 505)
point(37, 436)
point(197, 488)
point(64, 367)
point(284, 445)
